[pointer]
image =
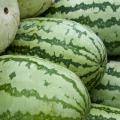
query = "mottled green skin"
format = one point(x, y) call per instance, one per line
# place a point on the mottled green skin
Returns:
point(108, 91)
point(102, 112)
point(35, 89)
point(101, 15)
point(64, 42)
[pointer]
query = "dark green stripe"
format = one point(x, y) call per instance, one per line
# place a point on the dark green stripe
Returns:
point(75, 26)
point(100, 23)
point(106, 109)
point(30, 24)
point(12, 75)
point(111, 71)
point(108, 87)
point(55, 41)
point(92, 81)
point(49, 71)
point(98, 49)
point(99, 117)
point(97, 100)
point(89, 84)
point(105, 60)
point(33, 93)
point(40, 21)
point(74, 48)
point(82, 6)
point(76, 88)
point(104, 52)
point(25, 50)
point(27, 116)
point(95, 80)
point(89, 73)
point(56, 1)
point(111, 46)
point(86, 20)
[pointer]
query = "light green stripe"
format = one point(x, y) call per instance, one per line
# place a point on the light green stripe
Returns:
point(33, 93)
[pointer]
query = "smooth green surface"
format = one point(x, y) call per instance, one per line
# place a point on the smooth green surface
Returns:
point(30, 8)
point(9, 21)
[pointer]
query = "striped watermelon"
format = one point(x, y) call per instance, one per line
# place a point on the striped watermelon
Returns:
point(108, 91)
point(102, 112)
point(30, 8)
point(64, 42)
point(103, 16)
point(9, 22)
point(35, 89)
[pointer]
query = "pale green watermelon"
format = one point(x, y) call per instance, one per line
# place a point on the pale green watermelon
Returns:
point(36, 89)
point(9, 21)
point(64, 42)
point(103, 16)
point(30, 8)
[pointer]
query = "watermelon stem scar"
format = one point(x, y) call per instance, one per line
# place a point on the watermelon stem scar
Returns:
point(6, 11)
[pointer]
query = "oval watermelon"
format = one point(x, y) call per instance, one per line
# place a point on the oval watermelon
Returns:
point(36, 89)
point(64, 42)
point(103, 16)
point(9, 21)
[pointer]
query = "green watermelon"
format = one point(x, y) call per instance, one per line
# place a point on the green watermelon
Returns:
point(36, 89)
point(103, 16)
point(9, 21)
point(108, 91)
point(30, 8)
point(64, 42)
point(102, 112)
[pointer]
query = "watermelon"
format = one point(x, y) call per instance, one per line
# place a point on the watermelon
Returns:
point(102, 112)
point(108, 91)
point(101, 15)
point(64, 42)
point(30, 8)
point(9, 21)
point(35, 89)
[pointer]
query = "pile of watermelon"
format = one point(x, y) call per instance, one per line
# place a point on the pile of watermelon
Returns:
point(59, 60)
